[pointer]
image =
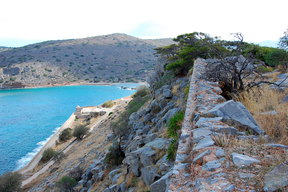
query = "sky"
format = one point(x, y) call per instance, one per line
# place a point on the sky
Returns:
point(28, 21)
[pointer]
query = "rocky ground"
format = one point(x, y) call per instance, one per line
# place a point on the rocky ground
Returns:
point(221, 147)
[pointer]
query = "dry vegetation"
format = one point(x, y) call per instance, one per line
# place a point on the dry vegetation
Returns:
point(259, 101)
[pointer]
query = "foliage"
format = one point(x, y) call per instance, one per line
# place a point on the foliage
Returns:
point(48, 154)
point(172, 148)
point(65, 135)
point(264, 69)
point(284, 40)
point(66, 184)
point(276, 57)
point(271, 56)
point(120, 126)
point(141, 91)
point(174, 125)
point(165, 79)
point(108, 104)
point(115, 155)
point(191, 46)
point(10, 182)
point(80, 131)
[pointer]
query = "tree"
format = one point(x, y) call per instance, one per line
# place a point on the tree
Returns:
point(237, 73)
point(283, 42)
point(10, 182)
point(80, 131)
point(190, 46)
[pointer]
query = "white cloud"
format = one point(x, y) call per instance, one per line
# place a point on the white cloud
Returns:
point(258, 20)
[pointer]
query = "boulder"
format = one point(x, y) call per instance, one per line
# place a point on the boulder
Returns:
point(220, 152)
point(158, 143)
point(164, 165)
point(199, 158)
point(200, 133)
point(167, 93)
point(243, 160)
point(277, 178)
point(212, 165)
point(205, 142)
point(170, 114)
point(146, 155)
point(154, 106)
point(114, 175)
point(134, 164)
point(161, 184)
point(236, 113)
point(149, 174)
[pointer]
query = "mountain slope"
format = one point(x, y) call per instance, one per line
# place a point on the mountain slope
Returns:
point(109, 58)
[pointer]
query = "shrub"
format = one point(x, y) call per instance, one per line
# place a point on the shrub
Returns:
point(142, 91)
point(174, 124)
point(48, 154)
point(115, 155)
point(172, 148)
point(108, 104)
point(80, 131)
point(264, 69)
point(66, 183)
point(65, 135)
point(10, 182)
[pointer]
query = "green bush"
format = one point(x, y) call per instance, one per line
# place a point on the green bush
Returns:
point(108, 104)
point(65, 135)
point(66, 184)
point(264, 69)
point(48, 154)
point(10, 182)
point(80, 131)
point(174, 124)
point(276, 57)
point(142, 91)
point(115, 155)
point(172, 149)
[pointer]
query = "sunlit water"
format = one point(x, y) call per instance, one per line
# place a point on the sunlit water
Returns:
point(28, 117)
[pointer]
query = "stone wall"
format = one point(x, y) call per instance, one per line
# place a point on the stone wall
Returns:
point(201, 164)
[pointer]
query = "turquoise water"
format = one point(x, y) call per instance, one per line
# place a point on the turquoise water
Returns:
point(29, 116)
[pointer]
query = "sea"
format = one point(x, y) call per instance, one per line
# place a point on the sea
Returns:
point(29, 117)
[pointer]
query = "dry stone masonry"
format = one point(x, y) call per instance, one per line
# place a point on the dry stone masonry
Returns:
point(202, 164)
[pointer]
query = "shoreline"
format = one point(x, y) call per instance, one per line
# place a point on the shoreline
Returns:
point(51, 142)
point(73, 84)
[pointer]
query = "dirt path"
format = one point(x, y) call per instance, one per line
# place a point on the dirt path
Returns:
point(50, 143)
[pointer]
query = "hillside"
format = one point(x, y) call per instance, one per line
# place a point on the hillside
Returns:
point(109, 58)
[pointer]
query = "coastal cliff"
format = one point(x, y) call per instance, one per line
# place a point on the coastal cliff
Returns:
point(185, 137)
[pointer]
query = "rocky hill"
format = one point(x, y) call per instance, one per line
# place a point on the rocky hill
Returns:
point(183, 136)
point(109, 58)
